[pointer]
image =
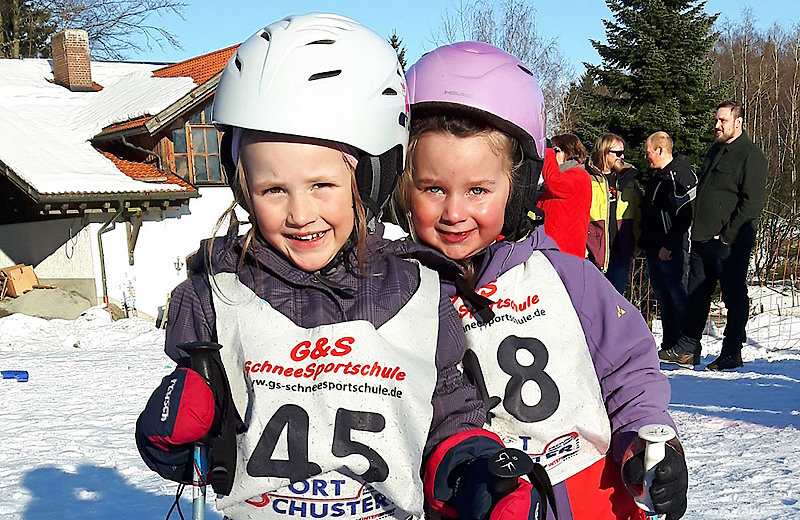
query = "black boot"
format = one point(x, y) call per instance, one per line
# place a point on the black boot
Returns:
point(726, 361)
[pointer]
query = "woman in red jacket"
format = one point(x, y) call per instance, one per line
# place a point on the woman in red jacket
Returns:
point(567, 194)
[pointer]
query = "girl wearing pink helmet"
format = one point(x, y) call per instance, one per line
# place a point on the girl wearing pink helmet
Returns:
point(317, 359)
point(566, 367)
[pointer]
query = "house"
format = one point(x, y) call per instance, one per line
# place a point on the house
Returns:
point(109, 171)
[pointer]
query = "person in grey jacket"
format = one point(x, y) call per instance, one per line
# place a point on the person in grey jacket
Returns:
point(730, 198)
point(666, 216)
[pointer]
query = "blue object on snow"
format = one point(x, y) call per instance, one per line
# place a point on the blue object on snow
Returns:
point(20, 375)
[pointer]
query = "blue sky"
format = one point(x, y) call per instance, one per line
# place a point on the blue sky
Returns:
point(214, 24)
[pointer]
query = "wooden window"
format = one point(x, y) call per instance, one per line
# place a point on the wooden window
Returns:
point(197, 150)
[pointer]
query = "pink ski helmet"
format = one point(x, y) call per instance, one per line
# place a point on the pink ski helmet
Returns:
point(481, 81)
point(489, 82)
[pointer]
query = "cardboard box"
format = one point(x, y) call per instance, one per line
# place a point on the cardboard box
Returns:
point(21, 279)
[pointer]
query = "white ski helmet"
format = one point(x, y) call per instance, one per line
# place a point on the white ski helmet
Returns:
point(321, 76)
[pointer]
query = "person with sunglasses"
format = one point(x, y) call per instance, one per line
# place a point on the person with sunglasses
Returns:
point(611, 239)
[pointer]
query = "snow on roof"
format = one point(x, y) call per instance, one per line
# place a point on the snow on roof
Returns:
point(45, 128)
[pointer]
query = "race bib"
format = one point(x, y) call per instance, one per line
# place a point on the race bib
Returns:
point(532, 367)
point(337, 416)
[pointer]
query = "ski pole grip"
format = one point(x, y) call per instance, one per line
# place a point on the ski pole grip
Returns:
point(508, 465)
point(655, 435)
point(205, 359)
point(201, 358)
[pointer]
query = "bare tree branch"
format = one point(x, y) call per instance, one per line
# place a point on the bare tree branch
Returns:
point(762, 70)
point(112, 25)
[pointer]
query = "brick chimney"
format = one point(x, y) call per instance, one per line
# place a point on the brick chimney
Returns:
point(71, 65)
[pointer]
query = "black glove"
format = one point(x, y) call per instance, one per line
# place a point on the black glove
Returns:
point(670, 481)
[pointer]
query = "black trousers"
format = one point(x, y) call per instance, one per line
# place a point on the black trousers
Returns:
point(711, 262)
point(668, 278)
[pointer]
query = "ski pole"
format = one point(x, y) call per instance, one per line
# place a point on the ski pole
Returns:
point(201, 360)
point(655, 435)
point(199, 482)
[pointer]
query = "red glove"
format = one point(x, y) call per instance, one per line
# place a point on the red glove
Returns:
point(523, 503)
point(459, 484)
point(180, 411)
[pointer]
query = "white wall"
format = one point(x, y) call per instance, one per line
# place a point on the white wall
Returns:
point(161, 246)
point(67, 249)
point(56, 248)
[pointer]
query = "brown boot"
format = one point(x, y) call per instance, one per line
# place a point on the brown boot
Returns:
point(674, 357)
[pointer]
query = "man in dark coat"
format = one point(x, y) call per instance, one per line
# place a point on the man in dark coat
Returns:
point(666, 216)
point(730, 198)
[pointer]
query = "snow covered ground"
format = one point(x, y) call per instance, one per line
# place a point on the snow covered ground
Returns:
point(67, 448)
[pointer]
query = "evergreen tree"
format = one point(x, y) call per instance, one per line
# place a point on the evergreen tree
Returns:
point(655, 75)
point(24, 30)
point(397, 44)
point(112, 25)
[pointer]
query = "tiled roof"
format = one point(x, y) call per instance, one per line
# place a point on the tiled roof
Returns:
point(146, 172)
point(46, 129)
point(201, 68)
point(127, 125)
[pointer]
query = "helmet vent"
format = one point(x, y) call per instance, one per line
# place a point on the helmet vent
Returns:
point(237, 63)
point(265, 35)
point(323, 75)
point(322, 42)
point(525, 70)
point(389, 92)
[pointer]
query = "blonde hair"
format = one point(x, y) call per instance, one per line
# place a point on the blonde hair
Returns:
point(660, 139)
point(601, 149)
point(500, 143)
point(254, 237)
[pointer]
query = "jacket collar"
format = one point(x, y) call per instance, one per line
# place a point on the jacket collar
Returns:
point(503, 256)
point(568, 165)
point(737, 143)
point(671, 166)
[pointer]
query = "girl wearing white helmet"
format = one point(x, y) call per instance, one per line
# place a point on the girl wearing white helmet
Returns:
point(317, 360)
point(566, 366)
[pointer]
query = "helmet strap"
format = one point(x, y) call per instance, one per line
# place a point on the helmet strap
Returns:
point(376, 176)
point(517, 224)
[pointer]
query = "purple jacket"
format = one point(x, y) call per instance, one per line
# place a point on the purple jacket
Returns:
point(625, 358)
point(342, 295)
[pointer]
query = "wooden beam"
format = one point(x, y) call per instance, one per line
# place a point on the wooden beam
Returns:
point(133, 233)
